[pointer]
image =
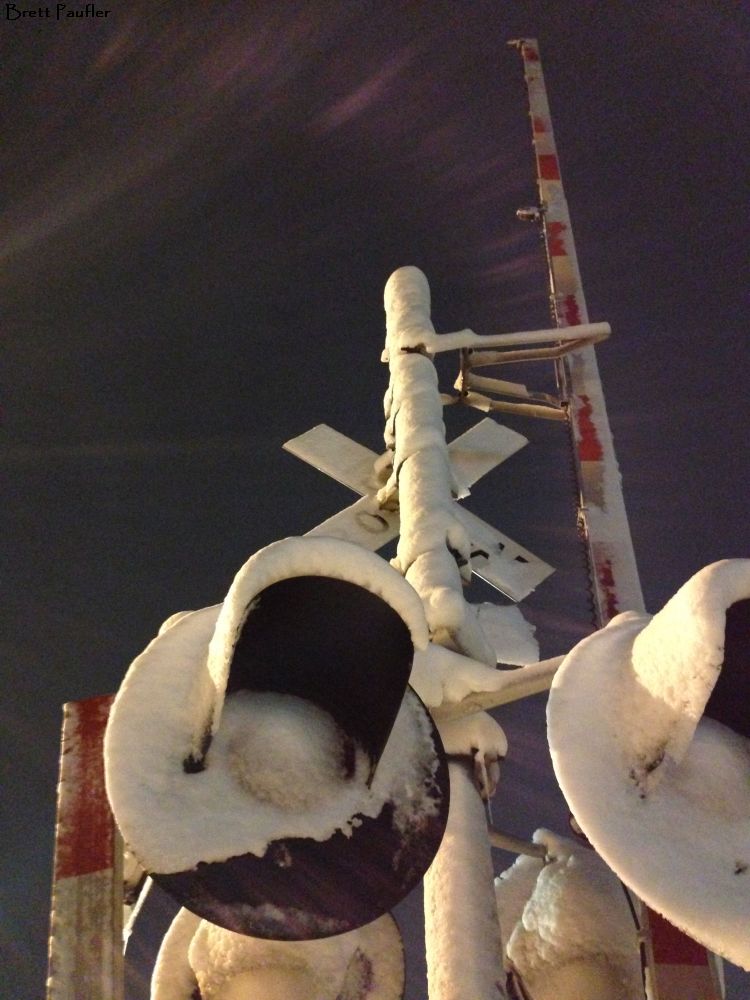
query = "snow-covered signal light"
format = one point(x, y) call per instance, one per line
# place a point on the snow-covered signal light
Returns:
point(649, 727)
point(197, 958)
point(266, 760)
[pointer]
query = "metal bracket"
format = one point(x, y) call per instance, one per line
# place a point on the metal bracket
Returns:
point(504, 349)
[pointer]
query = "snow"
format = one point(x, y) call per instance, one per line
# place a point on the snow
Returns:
point(441, 676)
point(508, 633)
point(423, 481)
point(407, 310)
point(567, 928)
point(270, 983)
point(434, 547)
point(172, 620)
point(172, 819)
point(173, 979)
point(453, 685)
point(432, 544)
point(463, 954)
point(287, 752)
point(480, 737)
point(614, 711)
point(228, 966)
point(513, 889)
point(676, 661)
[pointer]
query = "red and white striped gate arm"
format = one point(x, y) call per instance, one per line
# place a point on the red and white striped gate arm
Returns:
point(85, 948)
point(680, 969)
point(614, 574)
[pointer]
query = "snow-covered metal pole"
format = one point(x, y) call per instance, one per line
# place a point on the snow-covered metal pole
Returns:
point(85, 945)
point(614, 574)
point(461, 923)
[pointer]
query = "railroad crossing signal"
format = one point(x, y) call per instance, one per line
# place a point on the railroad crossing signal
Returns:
point(495, 558)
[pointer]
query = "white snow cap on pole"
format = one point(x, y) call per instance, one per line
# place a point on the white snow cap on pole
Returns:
point(407, 312)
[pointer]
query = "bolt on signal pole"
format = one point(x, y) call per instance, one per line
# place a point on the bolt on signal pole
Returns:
point(461, 921)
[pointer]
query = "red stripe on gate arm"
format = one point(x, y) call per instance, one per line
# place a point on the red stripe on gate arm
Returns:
point(549, 169)
point(671, 946)
point(571, 311)
point(85, 826)
point(589, 446)
point(606, 577)
point(556, 239)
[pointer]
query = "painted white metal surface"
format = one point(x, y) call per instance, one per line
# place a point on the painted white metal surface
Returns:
point(85, 948)
point(590, 332)
point(495, 558)
point(344, 460)
point(473, 454)
point(364, 523)
point(482, 447)
point(500, 561)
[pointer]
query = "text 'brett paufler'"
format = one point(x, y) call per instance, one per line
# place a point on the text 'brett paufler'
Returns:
point(57, 13)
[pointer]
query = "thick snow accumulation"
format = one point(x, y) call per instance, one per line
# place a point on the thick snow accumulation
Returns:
point(286, 751)
point(434, 547)
point(566, 926)
point(172, 620)
point(625, 705)
point(423, 481)
point(480, 737)
point(407, 312)
point(228, 966)
point(463, 959)
point(677, 657)
point(453, 685)
point(508, 633)
point(173, 978)
point(172, 819)
point(441, 676)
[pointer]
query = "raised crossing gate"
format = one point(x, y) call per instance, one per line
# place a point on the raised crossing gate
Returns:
point(85, 947)
point(613, 571)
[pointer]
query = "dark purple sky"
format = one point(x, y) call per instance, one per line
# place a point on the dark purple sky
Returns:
point(200, 205)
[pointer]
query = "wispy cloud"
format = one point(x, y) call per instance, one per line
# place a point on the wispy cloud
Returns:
point(364, 96)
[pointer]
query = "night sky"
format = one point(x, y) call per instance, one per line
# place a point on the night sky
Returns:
point(200, 206)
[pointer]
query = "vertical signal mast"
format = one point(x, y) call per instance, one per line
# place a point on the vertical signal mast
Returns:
point(679, 968)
